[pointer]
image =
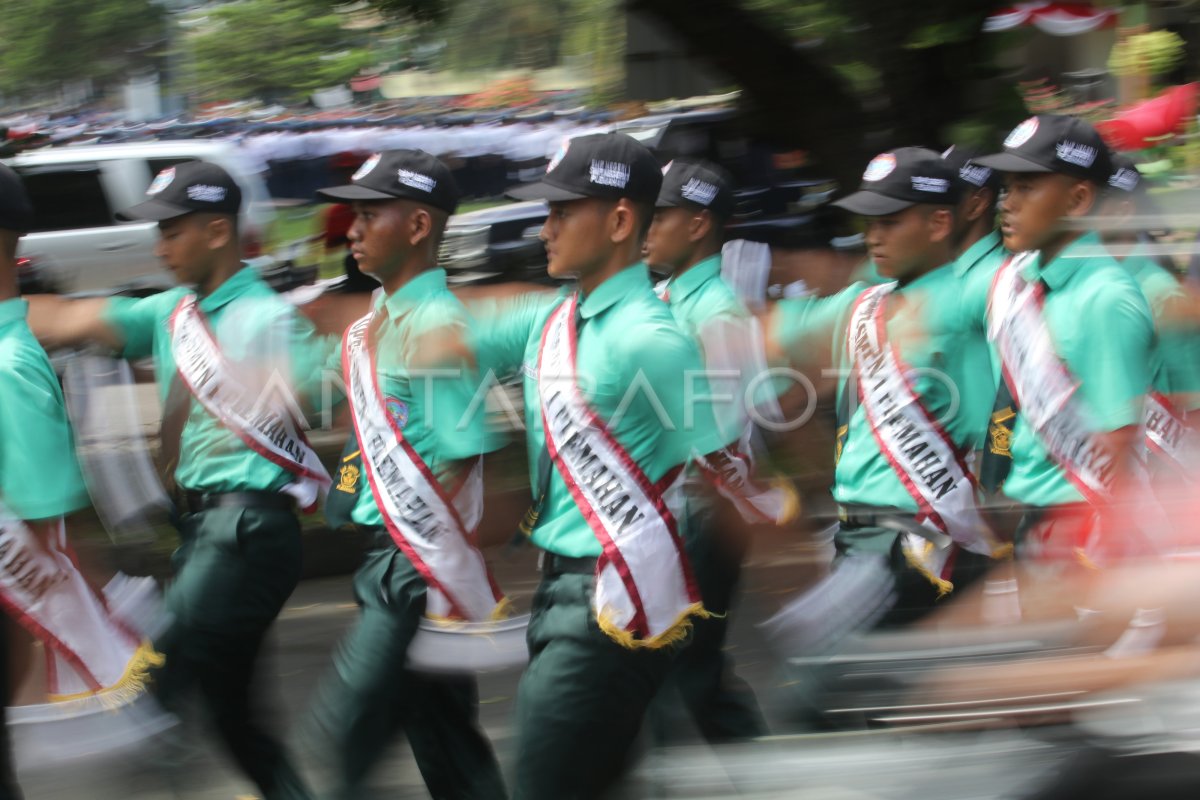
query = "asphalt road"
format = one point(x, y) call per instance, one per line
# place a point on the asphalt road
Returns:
point(318, 613)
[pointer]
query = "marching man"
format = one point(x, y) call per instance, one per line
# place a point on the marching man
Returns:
point(685, 238)
point(1074, 335)
point(230, 357)
point(413, 483)
point(903, 349)
point(606, 378)
point(90, 654)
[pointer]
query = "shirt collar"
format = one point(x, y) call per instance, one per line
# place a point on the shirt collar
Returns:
point(624, 283)
point(692, 279)
point(408, 296)
point(975, 253)
point(1059, 272)
point(11, 311)
point(234, 285)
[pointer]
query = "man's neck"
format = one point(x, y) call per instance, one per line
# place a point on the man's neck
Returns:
point(618, 262)
point(939, 259)
point(8, 280)
point(1061, 242)
point(404, 275)
point(974, 234)
point(1122, 246)
point(226, 269)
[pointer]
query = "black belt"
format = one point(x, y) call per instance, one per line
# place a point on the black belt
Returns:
point(195, 502)
point(554, 564)
point(860, 516)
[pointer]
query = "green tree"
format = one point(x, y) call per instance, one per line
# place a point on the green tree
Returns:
point(501, 34)
point(843, 79)
point(269, 49)
point(43, 42)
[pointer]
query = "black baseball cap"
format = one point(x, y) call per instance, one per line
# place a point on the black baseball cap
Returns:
point(696, 184)
point(970, 174)
point(1054, 143)
point(906, 176)
point(608, 166)
point(187, 188)
point(16, 212)
point(400, 175)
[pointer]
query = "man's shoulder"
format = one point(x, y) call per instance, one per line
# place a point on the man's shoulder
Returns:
point(22, 359)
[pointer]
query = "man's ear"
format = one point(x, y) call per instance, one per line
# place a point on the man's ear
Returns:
point(978, 204)
point(420, 226)
point(941, 224)
point(700, 225)
point(622, 222)
point(219, 232)
point(1082, 197)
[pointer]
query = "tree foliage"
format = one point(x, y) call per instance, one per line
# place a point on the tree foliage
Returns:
point(846, 78)
point(270, 49)
point(43, 42)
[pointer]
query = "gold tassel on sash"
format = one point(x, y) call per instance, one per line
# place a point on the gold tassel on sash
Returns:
point(676, 633)
point(917, 562)
point(130, 686)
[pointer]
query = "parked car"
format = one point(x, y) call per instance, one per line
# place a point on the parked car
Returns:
point(773, 201)
point(78, 246)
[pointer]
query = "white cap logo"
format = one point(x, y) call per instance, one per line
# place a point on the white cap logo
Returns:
point(161, 181)
point(975, 174)
point(1022, 133)
point(880, 167)
point(1124, 179)
point(415, 180)
point(614, 174)
point(1081, 155)
point(699, 192)
point(366, 167)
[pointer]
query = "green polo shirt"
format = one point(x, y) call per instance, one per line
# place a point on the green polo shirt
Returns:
point(439, 408)
point(937, 339)
point(1176, 370)
point(975, 270)
point(640, 373)
point(699, 295)
point(259, 333)
point(1102, 329)
point(704, 306)
point(39, 476)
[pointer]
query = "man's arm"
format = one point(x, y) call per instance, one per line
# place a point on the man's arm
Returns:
point(59, 322)
point(1115, 387)
point(801, 332)
point(502, 326)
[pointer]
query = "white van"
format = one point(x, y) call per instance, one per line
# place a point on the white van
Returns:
point(78, 245)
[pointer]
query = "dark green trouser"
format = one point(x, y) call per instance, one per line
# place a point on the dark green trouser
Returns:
point(916, 596)
point(722, 705)
point(582, 697)
point(370, 696)
point(234, 571)
point(8, 780)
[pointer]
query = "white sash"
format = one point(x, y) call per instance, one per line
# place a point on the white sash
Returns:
point(423, 520)
point(89, 653)
point(265, 424)
point(1041, 384)
point(919, 450)
point(732, 472)
point(644, 592)
point(1168, 435)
